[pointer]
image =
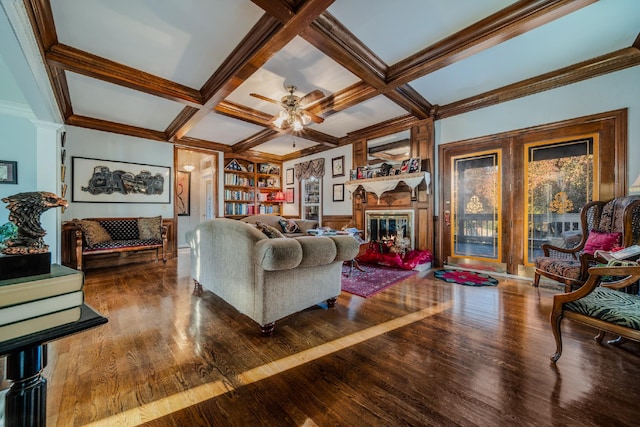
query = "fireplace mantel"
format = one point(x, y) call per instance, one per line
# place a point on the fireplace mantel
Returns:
point(387, 183)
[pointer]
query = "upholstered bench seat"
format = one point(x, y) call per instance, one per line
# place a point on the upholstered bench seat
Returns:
point(124, 244)
point(560, 268)
point(610, 306)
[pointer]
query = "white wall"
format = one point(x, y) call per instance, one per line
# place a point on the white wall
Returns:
point(606, 93)
point(94, 144)
point(329, 207)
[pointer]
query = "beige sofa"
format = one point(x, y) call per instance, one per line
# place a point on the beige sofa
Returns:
point(274, 221)
point(267, 279)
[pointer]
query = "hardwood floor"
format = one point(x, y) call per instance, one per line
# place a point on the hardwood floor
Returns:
point(423, 352)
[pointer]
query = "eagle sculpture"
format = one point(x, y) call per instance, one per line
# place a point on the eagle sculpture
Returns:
point(25, 210)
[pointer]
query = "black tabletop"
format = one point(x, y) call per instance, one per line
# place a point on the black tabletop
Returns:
point(89, 318)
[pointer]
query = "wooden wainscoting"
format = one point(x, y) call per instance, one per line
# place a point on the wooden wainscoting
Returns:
point(337, 222)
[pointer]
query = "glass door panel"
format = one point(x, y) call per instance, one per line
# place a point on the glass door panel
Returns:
point(559, 181)
point(476, 208)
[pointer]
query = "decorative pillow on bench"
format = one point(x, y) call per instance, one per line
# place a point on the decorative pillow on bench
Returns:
point(149, 228)
point(93, 232)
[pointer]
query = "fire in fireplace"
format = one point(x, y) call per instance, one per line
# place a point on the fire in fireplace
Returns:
point(391, 227)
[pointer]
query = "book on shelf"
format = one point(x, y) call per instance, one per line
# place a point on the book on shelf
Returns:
point(40, 323)
point(60, 280)
point(31, 309)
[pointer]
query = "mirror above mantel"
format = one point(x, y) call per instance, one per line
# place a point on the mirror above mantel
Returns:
point(392, 148)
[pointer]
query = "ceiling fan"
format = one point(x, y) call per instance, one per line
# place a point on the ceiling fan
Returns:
point(294, 114)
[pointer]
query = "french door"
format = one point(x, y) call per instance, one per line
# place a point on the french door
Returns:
point(503, 196)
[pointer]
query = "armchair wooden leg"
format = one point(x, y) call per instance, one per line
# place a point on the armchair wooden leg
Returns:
point(598, 338)
point(536, 279)
point(617, 341)
point(267, 330)
point(557, 334)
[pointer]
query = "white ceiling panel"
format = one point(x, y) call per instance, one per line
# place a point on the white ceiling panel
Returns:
point(283, 145)
point(520, 58)
point(363, 115)
point(106, 101)
point(182, 41)
point(394, 30)
point(299, 64)
point(222, 129)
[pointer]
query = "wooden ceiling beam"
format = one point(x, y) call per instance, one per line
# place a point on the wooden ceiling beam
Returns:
point(509, 22)
point(107, 126)
point(319, 137)
point(202, 143)
point(265, 39)
point(255, 140)
point(408, 98)
point(87, 64)
point(615, 61)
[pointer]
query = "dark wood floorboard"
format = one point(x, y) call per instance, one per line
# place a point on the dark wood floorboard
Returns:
point(423, 352)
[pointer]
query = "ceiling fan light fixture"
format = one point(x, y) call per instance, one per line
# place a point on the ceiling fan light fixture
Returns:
point(297, 125)
point(278, 122)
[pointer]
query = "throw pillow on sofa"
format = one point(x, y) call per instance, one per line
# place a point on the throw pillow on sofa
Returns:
point(93, 232)
point(149, 228)
point(289, 226)
point(269, 231)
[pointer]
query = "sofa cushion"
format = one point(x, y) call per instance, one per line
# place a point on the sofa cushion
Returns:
point(149, 228)
point(289, 226)
point(93, 232)
point(269, 231)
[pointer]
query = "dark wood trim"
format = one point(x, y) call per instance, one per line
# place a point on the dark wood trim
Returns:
point(317, 136)
point(244, 113)
point(177, 123)
point(107, 126)
point(406, 97)
point(615, 61)
point(255, 140)
point(202, 144)
point(503, 25)
point(87, 64)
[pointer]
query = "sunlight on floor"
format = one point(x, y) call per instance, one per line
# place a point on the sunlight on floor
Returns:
point(187, 398)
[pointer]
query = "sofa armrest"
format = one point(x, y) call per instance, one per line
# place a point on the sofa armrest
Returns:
point(347, 247)
point(277, 254)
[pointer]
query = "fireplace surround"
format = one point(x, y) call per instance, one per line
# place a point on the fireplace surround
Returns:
point(391, 225)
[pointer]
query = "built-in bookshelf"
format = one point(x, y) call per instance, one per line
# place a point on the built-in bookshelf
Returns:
point(251, 188)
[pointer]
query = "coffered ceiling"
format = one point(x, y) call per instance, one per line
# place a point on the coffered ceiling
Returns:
point(183, 71)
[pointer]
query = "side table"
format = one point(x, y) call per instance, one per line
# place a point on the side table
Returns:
point(26, 400)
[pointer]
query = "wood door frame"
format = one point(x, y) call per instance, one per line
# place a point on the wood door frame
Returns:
point(611, 128)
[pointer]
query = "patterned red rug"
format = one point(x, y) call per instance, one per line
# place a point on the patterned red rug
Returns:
point(374, 279)
point(463, 277)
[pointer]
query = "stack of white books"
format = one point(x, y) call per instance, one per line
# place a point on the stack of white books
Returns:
point(35, 303)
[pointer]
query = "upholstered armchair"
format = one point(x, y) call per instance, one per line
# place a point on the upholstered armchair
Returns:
point(267, 278)
point(599, 221)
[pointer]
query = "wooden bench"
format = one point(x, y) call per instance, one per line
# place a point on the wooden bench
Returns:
point(600, 304)
point(125, 240)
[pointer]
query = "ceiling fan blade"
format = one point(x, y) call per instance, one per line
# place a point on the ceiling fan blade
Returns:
point(314, 117)
point(264, 98)
point(312, 96)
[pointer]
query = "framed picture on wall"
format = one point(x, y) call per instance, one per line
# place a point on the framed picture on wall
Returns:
point(108, 181)
point(338, 192)
point(289, 177)
point(337, 166)
point(8, 172)
point(183, 193)
point(289, 195)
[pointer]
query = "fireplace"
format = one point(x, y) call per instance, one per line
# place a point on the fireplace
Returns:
point(392, 227)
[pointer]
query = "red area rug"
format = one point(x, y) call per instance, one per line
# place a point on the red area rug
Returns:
point(374, 279)
point(463, 277)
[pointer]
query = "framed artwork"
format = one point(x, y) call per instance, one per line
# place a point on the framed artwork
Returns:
point(289, 177)
point(353, 174)
point(414, 164)
point(289, 195)
point(338, 192)
point(8, 172)
point(361, 172)
point(183, 193)
point(337, 166)
point(107, 181)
